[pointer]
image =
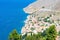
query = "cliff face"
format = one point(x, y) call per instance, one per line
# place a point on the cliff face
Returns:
point(43, 13)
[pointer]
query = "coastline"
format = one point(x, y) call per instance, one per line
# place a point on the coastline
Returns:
point(34, 8)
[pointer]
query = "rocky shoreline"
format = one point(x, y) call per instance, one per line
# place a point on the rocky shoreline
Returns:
point(41, 16)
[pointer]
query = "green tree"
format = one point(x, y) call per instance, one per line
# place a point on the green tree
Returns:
point(28, 37)
point(35, 37)
point(14, 35)
point(59, 33)
point(51, 33)
point(20, 37)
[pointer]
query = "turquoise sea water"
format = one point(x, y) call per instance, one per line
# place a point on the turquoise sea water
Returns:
point(12, 16)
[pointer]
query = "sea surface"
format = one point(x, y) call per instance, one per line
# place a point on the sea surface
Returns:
point(12, 16)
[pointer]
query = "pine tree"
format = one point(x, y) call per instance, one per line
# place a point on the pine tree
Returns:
point(14, 35)
point(51, 33)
